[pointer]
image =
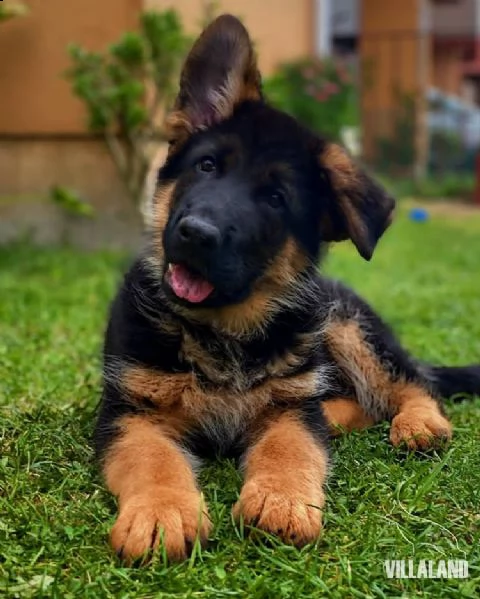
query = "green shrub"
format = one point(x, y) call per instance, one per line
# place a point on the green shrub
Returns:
point(127, 89)
point(70, 202)
point(446, 151)
point(452, 186)
point(318, 92)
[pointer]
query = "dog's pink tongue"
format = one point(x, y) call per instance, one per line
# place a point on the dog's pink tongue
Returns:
point(189, 286)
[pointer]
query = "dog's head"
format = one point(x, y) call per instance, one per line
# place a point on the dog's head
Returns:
point(247, 196)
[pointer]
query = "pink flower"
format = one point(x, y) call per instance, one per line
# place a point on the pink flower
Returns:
point(331, 88)
point(322, 96)
point(343, 74)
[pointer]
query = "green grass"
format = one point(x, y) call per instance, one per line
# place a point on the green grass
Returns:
point(55, 514)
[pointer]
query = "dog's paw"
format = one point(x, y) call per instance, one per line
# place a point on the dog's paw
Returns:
point(420, 429)
point(169, 516)
point(293, 516)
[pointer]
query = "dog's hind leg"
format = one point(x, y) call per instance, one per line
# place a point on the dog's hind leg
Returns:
point(388, 384)
point(345, 415)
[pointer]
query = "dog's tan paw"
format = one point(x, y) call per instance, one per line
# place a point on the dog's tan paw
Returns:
point(420, 429)
point(169, 516)
point(293, 516)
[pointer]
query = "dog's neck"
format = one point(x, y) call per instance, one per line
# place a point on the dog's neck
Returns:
point(236, 346)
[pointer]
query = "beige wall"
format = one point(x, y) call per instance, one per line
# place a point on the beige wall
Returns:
point(29, 166)
point(28, 170)
point(281, 29)
point(35, 98)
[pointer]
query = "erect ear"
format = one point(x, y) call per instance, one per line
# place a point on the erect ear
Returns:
point(358, 208)
point(219, 73)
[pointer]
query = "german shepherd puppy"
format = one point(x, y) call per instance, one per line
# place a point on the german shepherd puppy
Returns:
point(225, 339)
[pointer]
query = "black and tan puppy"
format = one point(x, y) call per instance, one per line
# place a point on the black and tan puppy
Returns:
point(224, 338)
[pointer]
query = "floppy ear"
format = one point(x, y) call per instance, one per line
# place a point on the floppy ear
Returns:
point(358, 208)
point(219, 73)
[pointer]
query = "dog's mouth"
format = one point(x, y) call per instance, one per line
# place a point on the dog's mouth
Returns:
point(188, 285)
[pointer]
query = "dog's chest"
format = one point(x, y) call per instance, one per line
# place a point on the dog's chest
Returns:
point(225, 395)
point(230, 386)
point(232, 365)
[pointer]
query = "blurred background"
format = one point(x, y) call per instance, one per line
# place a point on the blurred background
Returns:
point(84, 87)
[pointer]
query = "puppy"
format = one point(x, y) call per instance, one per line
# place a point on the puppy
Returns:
point(225, 339)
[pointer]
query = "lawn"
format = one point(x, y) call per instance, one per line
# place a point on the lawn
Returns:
point(382, 504)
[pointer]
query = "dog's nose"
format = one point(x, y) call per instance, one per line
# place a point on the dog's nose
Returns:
point(198, 232)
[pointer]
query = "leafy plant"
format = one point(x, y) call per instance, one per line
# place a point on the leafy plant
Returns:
point(127, 88)
point(320, 93)
point(446, 151)
point(70, 202)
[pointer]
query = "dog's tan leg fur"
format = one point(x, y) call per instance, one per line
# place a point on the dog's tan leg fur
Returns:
point(345, 415)
point(417, 420)
point(284, 475)
point(157, 493)
point(419, 423)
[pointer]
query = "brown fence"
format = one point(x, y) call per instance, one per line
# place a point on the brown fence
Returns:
point(394, 76)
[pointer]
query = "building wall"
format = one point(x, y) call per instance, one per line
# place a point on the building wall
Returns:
point(281, 29)
point(35, 98)
point(455, 18)
point(29, 168)
point(43, 136)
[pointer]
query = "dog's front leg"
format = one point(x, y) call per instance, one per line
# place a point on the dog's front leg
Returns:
point(159, 501)
point(285, 470)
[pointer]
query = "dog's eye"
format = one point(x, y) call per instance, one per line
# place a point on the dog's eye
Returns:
point(276, 198)
point(206, 164)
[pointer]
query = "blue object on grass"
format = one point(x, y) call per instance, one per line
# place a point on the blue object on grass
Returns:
point(418, 215)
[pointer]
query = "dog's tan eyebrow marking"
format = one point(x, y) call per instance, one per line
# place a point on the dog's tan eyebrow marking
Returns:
point(227, 148)
point(278, 174)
